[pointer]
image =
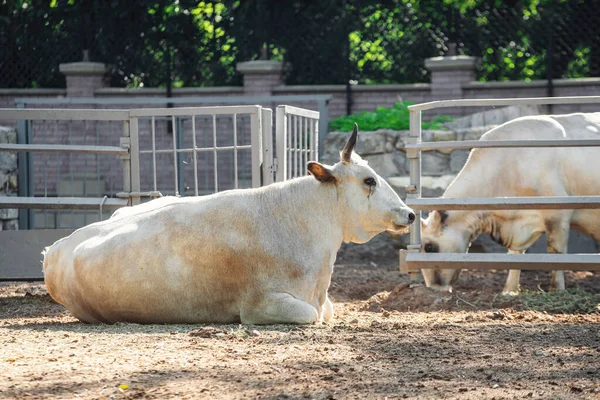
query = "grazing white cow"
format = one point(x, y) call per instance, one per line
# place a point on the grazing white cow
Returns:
point(256, 256)
point(561, 171)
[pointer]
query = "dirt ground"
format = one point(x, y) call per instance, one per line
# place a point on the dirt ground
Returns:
point(389, 339)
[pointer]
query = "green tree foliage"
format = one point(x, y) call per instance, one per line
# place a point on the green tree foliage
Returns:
point(397, 118)
point(198, 43)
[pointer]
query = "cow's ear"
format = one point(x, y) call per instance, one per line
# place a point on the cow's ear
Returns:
point(439, 216)
point(320, 172)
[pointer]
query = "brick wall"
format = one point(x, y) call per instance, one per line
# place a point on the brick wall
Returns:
point(451, 79)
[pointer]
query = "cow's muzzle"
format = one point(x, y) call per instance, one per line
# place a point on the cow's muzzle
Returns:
point(403, 217)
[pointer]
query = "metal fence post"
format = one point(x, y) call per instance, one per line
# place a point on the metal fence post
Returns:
point(323, 123)
point(134, 151)
point(268, 168)
point(281, 143)
point(125, 142)
point(413, 191)
point(256, 141)
point(179, 132)
point(25, 175)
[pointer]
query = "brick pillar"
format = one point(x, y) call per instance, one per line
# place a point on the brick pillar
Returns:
point(449, 74)
point(261, 76)
point(83, 78)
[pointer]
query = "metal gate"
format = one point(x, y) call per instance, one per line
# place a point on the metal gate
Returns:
point(411, 260)
point(84, 164)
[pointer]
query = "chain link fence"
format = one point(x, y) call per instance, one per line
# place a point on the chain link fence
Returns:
point(174, 43)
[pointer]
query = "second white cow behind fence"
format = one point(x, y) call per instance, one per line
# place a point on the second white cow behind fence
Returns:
point(255, 256)
point(493, 172)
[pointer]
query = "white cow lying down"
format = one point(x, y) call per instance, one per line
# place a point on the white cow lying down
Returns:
point(560, 171)
point(256, 256)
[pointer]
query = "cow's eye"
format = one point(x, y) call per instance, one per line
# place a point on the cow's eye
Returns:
point(428, 248)
point(370, 181)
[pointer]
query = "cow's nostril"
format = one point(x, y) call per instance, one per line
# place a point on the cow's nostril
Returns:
point(411, 217)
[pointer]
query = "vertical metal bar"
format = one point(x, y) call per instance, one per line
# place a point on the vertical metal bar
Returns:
point(195, 155)
point(98, 194)
point(289, 147)
point(58, 213)
point(134, 137)
point(174, 134)
point(304, 133)
point(415, 181)
point(45, 159)
point(311, 140)
point(127, 160)
point(295, 129)
point(309, 135)
point(256, 145)
point(85, 163)
point(71, 171)
point(323, 125)
point(281, 143)
point(180, 156)
point(316, 140)
point(24, 179)
point(267, 145)
point(153, 122)
point(215, 163)
point(30, 173)
point(235, 154)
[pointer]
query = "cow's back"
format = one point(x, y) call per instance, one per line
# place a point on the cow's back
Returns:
point(189, 260)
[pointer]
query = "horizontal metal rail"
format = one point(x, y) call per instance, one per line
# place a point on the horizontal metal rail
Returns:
point(64, 148)
point(190, 111)
point(62, 203)
point(301, 112)
point(198, 149)
point(505, 102)
point(506, 203)
point(544, 262)
point(175, 100)
point(38, 114)
point(472, 144)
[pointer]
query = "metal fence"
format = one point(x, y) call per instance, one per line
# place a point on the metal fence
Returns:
point(76, 166)
point(411, 260)
point(297, 141)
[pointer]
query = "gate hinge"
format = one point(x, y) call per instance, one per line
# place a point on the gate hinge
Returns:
point(273, 167)
point(125, 143)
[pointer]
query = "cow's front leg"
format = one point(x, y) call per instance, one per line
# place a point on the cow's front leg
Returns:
point(558, 239)
point(278, 308)
point(327, 309)
point(512, 287)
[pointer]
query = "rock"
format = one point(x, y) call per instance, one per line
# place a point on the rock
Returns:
point(8, 162)
point(474, 133)
point(9, 213)
point(8, 135)
point(11, 225)
point(4, 178)
point(444, 136)
point(13, 182)
point(434, 163)
point(458, 158)
point(376, 142)
point(494, 116)
point(388, 164)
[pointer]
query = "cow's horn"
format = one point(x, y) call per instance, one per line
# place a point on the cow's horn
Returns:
point(347, 152)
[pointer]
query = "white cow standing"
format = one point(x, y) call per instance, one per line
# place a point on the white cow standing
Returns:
point(561, 171)
point(256, 256)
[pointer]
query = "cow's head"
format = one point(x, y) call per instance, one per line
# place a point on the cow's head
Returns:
point(367, 203)
point(444, 232)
